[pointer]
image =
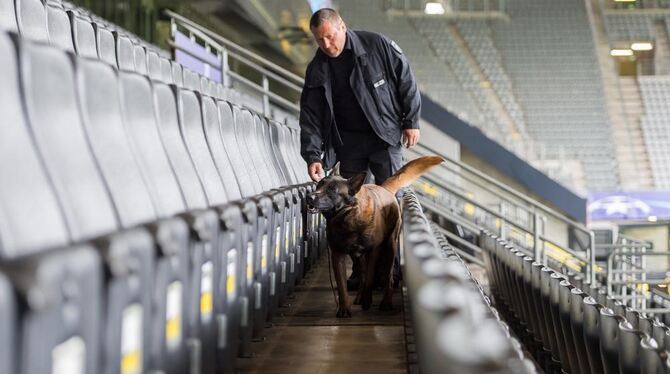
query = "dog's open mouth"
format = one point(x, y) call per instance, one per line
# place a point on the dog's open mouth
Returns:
point(312, 209)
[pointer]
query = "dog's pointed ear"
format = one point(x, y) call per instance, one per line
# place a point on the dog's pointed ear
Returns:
point(354, 183)
point(336, 170)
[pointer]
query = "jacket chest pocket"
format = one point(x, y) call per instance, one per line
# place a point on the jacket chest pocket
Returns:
point(382, 93)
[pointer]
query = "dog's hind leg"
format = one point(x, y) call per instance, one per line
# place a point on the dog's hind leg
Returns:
point(366, 291)
point(340, 271)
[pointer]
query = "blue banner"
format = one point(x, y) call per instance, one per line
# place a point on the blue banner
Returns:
point(607, 206)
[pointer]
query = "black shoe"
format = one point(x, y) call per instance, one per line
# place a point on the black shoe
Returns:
point(353, 283)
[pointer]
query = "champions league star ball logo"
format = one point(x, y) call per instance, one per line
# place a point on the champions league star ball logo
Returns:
point(619, 206)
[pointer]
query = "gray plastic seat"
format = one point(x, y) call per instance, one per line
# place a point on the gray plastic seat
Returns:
point(177, 74)
point(609, 339)
point(205, 260)
point(577, 326)
point(154, 65)
point(83, 36)
point(191, 80)
point(190, 123)
point(60, 31)
point(140, 59)
point(101, 111)
point(166, 70)
point(8, 327)
point(7, 16)
point(67, 319)
point(125, 55)
point(53, 109)
point(591, 319)
point(212, 128)
point(629, 348)
point(104, 39)
point(31, 19)
point(194, 194)
point(36, 222)
point(247, 178)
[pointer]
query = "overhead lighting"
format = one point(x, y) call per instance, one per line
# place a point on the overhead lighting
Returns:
point(621, 52)
point(434, 8)
point(652, 218)
point(641, 46)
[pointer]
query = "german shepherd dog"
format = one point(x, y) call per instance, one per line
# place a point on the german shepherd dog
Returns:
point(363, 220)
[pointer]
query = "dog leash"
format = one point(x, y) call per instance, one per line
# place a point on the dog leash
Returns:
point(330, 276)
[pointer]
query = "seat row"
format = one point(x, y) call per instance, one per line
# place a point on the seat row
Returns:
point(144, 226)
point(568, 324)
point(455, 326)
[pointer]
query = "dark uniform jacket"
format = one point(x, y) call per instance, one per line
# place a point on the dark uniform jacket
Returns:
point(383, 84)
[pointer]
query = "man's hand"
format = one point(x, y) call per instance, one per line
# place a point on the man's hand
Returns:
point(410, 137)
point(315, 171)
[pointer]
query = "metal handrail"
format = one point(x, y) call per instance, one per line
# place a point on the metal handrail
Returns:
point(230, 44)
point(226, 50)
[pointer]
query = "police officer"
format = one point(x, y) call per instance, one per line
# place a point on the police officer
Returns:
point(359, 105)
point(359, 102)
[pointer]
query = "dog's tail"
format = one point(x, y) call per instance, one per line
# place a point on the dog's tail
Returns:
point(411, 172)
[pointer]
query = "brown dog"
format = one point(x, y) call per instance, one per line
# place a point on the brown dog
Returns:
point(364, 221)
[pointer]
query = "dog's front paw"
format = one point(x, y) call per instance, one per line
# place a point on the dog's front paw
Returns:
point(343, 312)
point(357, 300)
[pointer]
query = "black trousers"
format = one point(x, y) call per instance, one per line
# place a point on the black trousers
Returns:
point(367, 153)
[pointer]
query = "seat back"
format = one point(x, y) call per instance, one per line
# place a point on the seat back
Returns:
point(51, 102)
point(212, 128)
point(258, 135)
point(8, 324)
point(31, 19)
point(60, 31)
point(154, 65)
point(101, 111)
point(246, 177)
point(8, 16)
point(83, 35)
point(182, 164)
point(125, 56)
point(166, 70)
point(30, 218)
point(104, 40)
point(140, 58)
point(177, 74)
point(140, 125)
point(244, 131)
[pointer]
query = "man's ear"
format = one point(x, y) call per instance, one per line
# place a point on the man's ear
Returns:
point(354, 183)
point(336, 170)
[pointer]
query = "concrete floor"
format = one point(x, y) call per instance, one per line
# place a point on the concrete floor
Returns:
point(307, 337)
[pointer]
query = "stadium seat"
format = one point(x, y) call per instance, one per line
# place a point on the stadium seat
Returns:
point(577, 326)
point(60, 330)
point(31, 19)
point(140, 59)
point(177, 74)
point(629, 348)
point(8, 326)
point(83, 35)
point(592, 333)
point(60, 31)
point(166, 70)
point(125, 56)
point(247, 179)
point(173, 292)
point(609, 339)
point(7, 16)
point(653, 358)
point(104, 39)
point(191, 80)
point(154, 65)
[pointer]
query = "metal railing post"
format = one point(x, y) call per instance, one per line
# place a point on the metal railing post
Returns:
point(225, 68)
point(266, 97)
point(592, 258)
point(536, 237)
